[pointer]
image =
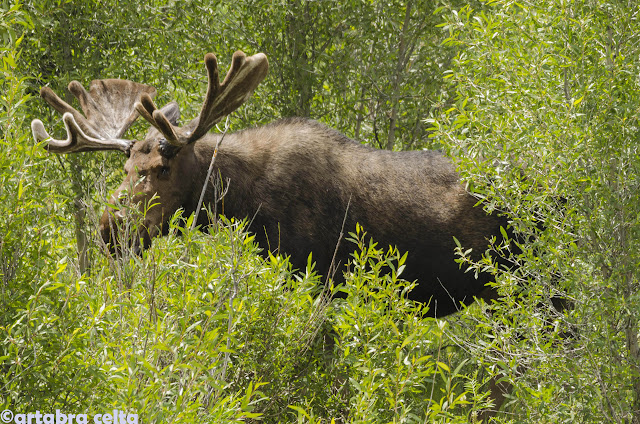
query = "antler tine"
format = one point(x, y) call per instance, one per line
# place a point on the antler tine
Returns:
point(77, 140)
point(108, 112)
point(243, 77)
point(221, 99)
point(149, 111)
point(145, 107)
point(63, 107)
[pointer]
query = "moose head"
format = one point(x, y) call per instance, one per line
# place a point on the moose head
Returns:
point(164, 165)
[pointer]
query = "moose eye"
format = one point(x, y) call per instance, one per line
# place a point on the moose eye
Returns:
point(164, 171)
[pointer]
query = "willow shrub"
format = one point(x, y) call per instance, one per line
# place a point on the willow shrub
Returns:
point(544, 127)
point(200, 328)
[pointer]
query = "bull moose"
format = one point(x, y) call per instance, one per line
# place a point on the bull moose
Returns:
point(299, 181)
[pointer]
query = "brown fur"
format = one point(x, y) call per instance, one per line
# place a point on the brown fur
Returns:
point(295, 178)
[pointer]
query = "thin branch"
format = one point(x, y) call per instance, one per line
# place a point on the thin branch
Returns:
point(209, 171)
point(332, 266)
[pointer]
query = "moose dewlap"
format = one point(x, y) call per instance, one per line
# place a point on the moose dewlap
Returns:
point(298, 180)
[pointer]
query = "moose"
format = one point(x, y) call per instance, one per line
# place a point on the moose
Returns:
point(300, 182)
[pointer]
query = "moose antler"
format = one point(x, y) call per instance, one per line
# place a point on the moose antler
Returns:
point(221, 99)
point(109, 107)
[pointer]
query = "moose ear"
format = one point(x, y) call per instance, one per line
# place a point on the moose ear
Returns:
point(172, 112)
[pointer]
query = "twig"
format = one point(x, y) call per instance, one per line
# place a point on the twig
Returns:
point(233, 295)
point(209, 171)
point(332, 266)
point(204, 187)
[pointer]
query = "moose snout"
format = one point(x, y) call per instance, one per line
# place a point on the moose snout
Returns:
point(119, 232)
point(109, 223)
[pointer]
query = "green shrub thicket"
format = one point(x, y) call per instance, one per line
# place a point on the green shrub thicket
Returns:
point(545, 128)
point(538, 107)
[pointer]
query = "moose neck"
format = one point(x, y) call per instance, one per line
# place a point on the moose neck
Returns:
point(234, 167)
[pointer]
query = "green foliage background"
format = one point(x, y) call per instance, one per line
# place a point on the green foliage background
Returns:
point(537, 102)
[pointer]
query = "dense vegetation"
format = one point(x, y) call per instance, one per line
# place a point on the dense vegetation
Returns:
point(536, 101)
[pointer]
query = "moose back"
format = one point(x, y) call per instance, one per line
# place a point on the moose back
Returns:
point(299, 181)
